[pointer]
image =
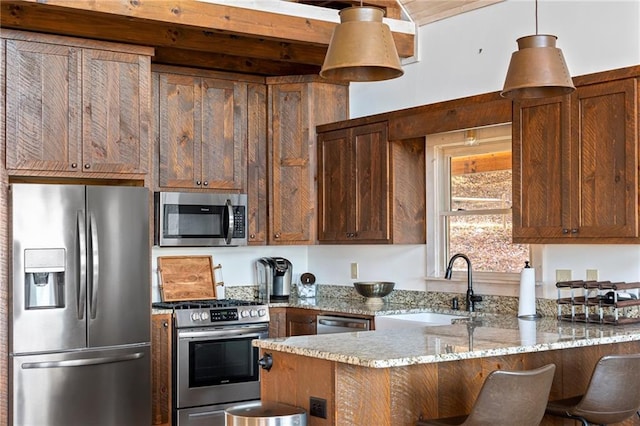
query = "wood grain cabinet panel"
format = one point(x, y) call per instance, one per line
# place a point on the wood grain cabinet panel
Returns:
point(575, 165)
point(202, 132)
point(74, 109)
point(370, 190)
point(161, 348)
point(295, 107)
point(301, 322)
point(257, 164)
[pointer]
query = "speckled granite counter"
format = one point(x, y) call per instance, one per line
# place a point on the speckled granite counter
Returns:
point(483, 336)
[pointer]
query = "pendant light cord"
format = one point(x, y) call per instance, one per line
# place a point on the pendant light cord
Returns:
point(536, 16)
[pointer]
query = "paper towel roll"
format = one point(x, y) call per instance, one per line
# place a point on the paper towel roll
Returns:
point(527, 301)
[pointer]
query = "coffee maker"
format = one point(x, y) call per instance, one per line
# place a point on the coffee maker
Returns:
point(274, 278)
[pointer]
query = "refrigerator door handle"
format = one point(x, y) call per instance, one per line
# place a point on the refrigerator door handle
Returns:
point(95, 266)
point(82, 362)
point(82, 254)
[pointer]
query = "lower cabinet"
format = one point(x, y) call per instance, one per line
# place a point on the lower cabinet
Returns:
point(301, 322)
point(161, 369)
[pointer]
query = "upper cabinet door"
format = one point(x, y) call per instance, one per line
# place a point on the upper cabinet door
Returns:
point(179, 131)
point(116, 111)
point(224, 134)
point(335, 186)
point(541, 168)
point(605, 155)
point(372, 183)
point(43, 102)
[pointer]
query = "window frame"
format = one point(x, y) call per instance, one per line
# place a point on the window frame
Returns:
point(440, 147)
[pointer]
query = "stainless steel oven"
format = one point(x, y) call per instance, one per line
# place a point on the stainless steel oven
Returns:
point(216, 364)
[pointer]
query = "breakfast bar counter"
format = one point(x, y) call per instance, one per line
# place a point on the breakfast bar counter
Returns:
point(395, 376)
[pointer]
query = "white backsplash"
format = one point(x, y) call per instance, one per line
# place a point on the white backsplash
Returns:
point(405, 264)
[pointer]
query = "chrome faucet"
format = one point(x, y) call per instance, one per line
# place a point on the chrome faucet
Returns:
point(471, 299)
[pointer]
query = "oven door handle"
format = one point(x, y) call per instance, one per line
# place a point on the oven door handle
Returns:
point(220, 333)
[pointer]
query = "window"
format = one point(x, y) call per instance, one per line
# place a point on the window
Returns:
point(471, 203)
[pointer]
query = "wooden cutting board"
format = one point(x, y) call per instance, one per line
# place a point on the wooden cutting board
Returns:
point(186, 278)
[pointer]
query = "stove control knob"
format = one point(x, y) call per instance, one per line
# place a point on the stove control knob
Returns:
point(195, 316)
point(244, 313)
point(204, 316)
point(254, 313)
point(262, 312)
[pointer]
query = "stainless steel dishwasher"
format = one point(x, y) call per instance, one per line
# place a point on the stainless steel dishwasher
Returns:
point(327, 324)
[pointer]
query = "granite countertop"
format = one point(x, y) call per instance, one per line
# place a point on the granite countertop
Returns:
point(479, 336)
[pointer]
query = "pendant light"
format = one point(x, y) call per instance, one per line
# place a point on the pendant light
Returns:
point(537, 69)
point(361, 48)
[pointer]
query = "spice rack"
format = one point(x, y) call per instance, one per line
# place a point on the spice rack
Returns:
point(597, 302)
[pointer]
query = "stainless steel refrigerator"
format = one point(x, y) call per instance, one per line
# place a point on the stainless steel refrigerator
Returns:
point(80, 321)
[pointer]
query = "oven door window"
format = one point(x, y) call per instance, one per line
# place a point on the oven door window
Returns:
point(216, 362)
point(193, 221)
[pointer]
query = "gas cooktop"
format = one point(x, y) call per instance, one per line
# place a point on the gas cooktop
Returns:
point(202, 313)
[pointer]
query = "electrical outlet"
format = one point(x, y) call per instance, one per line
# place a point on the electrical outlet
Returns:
point(592, 275)
point(318, 407)
point(563, 275)
point(354, 270)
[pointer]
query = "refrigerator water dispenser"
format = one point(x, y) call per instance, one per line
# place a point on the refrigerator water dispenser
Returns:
point(44, 278)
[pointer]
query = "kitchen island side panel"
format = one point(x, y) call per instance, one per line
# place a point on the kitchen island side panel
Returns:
point(362, 396)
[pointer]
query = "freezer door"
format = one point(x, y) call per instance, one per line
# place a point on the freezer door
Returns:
point(46, 220)
point(119, 281)
point(94, 387)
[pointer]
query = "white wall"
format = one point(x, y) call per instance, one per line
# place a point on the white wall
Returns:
point(469, 54)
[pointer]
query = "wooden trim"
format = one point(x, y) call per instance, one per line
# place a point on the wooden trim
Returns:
point(481, 163)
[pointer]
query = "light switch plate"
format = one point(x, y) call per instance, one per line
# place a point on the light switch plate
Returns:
point(592, 275)
point(354, 270)
point(563, 275)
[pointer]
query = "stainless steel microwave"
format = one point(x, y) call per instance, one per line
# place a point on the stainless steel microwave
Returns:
point(190, 219)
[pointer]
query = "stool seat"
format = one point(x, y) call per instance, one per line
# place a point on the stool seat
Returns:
point(506, 398)
point(263, 413)
point(612, 395)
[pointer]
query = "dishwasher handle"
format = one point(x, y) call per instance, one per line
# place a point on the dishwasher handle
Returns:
point(332, 324)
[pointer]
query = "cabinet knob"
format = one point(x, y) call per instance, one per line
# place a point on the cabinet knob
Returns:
point(574, 230)
point(87, 166)
point(165, 324)
point(74, 165)
point(565, 231)
point(205, 183)
point(252, 236)
point(277, 235)
point(198, 182)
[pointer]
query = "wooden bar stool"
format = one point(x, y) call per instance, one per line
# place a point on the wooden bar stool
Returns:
point(612, 396)
point(507, 398)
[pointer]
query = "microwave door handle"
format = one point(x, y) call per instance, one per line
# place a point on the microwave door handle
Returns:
point(82, 262)
point(95, 266)
point(229, 212)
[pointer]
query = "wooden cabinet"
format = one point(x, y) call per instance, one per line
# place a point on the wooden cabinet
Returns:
point(76, 106)
point(161, 348)
point(296, 105)
point(575, 165)
point(202, 130)
point(257, 164)
point(301, 322)
point(370, 190)
point(277, 322)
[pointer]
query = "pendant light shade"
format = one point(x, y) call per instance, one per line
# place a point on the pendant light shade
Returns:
point(361, 48)
point(537, 70)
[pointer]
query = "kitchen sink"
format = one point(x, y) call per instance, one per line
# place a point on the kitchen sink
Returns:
point(421, 319)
